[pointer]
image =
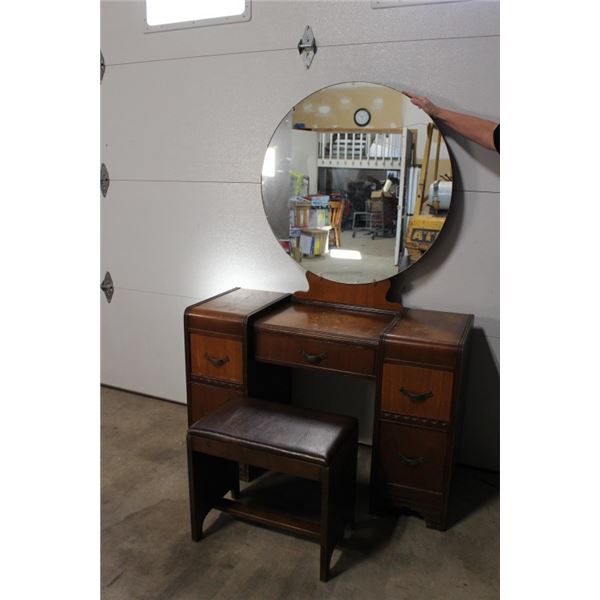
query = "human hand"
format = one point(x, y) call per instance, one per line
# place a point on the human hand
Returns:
point(423, 103)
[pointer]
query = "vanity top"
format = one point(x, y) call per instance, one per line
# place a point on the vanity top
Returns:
point(428, 337)
point(326, 322)
point(431, 326)
point(226, 311)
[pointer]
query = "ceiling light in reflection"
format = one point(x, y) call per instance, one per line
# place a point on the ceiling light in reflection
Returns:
point(347, 254)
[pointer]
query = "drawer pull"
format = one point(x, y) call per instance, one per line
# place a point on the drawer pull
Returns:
point(313, 358)
point(414, 396)
point(216, 362)
point(413, 462)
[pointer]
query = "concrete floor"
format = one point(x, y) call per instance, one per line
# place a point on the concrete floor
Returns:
point(147, 552)
point(376, 262)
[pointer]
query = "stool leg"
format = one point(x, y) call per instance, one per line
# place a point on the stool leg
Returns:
point(210, 478)
point(327, 523)
point(197, 511)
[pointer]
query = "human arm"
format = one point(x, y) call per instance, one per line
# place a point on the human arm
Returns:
point(475, 129)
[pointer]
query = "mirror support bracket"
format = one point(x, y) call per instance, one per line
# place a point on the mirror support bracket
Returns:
point(307, 46)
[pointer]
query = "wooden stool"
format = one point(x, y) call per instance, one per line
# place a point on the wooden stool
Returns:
point(308, 444)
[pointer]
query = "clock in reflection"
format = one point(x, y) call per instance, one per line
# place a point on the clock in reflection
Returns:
point(362, 117)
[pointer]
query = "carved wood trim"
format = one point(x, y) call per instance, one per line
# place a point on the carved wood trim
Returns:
point(369, 295)
point(416, 421)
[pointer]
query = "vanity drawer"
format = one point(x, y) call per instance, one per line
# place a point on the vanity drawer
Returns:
point(216, 357)
point(304, 352)
point(205, 398)
point(412, 457)
point(415, 391)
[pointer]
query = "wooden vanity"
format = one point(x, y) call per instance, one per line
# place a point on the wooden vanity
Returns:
point(248, 341)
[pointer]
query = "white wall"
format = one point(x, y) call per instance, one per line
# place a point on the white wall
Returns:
point(186, 118)
point(304, 156)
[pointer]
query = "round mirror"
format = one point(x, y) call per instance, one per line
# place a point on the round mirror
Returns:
point(356, 182)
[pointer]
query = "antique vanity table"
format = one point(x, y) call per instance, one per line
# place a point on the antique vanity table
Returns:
point(248, 341)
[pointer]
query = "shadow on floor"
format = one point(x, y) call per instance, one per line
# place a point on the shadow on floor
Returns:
point(301, 498)
point(472, 490)
point(370, 535)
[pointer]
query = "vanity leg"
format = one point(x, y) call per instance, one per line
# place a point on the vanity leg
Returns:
point(376, 504)
point(435, 521)
point(350, 478)
point(352, 496)
point(235, 489)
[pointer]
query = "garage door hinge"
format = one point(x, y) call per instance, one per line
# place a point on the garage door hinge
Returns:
point(104, 180)
point(107, 287)
point(307, 46)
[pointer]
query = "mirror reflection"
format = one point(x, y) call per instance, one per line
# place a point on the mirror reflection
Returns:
point(356, 182)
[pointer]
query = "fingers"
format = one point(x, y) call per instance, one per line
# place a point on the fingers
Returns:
point(419, 101)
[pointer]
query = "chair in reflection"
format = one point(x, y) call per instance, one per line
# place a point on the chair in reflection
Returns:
point(336, 210)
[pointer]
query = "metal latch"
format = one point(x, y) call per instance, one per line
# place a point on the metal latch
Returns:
point(107, 287)
point(307, 46)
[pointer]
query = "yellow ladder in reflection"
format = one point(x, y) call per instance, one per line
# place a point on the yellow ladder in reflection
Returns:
point(425, 166)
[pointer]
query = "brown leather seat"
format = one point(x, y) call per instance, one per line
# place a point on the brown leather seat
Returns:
point(277, 428)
